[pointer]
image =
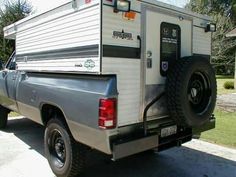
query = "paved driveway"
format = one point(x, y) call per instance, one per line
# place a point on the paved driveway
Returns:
point(21, 155)
point(227, 102)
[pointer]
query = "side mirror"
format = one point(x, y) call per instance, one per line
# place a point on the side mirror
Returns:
point(12, 66)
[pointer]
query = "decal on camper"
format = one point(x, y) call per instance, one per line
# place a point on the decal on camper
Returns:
point(122, 35)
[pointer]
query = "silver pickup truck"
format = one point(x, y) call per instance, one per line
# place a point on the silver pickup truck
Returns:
point(118, 76)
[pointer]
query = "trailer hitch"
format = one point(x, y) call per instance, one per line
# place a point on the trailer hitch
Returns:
point(157, 98)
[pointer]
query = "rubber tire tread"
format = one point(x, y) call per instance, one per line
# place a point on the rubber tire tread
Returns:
point(175, 84)
point(77, 151)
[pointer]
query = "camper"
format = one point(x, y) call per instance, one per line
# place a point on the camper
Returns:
point(118, 76)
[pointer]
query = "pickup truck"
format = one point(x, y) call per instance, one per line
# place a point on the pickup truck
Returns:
point(118, 76)
point(51, 99)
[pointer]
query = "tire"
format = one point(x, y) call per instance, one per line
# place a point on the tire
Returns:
point(191, 91)
point(3, 117)
point(65, 156)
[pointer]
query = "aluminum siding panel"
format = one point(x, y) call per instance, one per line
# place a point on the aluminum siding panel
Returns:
point(115, 22)
point(201, 41)
point(128, 70)
point(128, 83)
point(78, 29)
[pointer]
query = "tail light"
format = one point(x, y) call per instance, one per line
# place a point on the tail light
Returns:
point(107, 113)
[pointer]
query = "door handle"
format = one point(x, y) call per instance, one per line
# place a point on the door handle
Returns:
point(149, 59)
point(149, 63)
point(14, 77)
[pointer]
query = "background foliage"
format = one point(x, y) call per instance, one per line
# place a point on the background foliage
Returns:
point(11, 12)
point(223, 13)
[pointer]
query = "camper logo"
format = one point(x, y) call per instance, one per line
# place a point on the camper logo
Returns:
point(165, 66)
point(89, 64)
point(174, 33)
point(122, 35)
point(165, 32)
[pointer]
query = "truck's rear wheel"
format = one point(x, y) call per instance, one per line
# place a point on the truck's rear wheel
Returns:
point(65, 156)
point(191, 91)
point(3, 117)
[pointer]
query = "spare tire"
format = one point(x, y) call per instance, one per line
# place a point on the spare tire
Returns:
point(191, 91)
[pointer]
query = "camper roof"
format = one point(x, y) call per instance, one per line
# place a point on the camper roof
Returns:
point(10, 31)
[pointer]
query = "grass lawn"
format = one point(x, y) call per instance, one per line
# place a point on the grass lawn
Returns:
point(220, 84)
point(225, 131)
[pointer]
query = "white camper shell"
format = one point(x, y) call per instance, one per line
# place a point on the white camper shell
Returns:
point(91, 37)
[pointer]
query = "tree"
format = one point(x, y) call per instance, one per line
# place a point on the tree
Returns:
point(211, 7)
point(223, 13)
point(10, 13)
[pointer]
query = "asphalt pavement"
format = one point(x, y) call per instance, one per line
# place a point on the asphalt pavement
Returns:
point(22, 155)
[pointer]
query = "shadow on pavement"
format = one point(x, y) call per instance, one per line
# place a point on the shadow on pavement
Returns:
point(28, 131)
point(176, 162)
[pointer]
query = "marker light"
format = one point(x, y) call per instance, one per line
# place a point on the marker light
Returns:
point(122, 5)
point(211, 27)
point(129, 15)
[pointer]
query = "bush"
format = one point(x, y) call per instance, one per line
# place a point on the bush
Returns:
point(229, 85)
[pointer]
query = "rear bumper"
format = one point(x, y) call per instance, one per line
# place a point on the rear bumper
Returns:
point(124, 147)
point(129, 140)
point(130, 144)
point(176, 140)
point(135, 146)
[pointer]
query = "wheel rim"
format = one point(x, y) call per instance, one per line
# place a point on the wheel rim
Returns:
point(57, 148)
point(199, 92)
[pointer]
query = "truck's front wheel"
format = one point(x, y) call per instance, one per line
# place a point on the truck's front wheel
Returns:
point(65, 156)
point(3, 117)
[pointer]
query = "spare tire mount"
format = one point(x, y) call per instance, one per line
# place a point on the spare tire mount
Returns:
point(191, 91)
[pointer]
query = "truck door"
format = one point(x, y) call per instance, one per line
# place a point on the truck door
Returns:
point(8, 78)
point(167, 37)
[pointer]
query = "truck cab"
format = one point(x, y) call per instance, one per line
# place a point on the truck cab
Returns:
point(8, 84)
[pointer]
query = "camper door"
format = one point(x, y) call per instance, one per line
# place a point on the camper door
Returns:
point(167, 37)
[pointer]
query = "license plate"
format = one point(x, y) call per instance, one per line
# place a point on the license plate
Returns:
point(168, 131)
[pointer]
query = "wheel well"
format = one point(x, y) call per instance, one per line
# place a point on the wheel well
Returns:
point(49, 112)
